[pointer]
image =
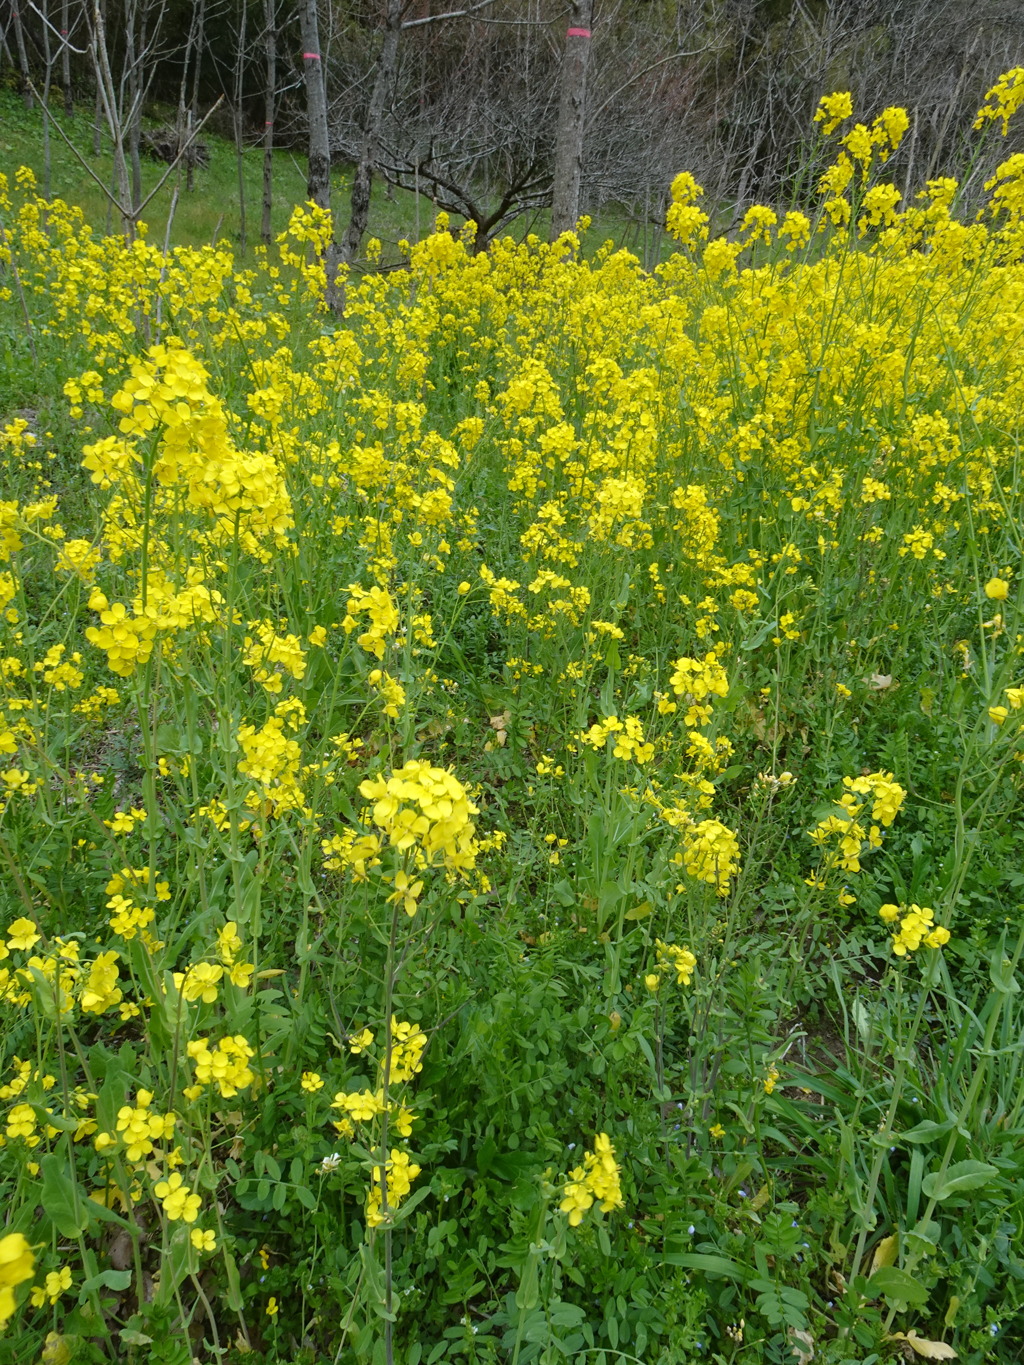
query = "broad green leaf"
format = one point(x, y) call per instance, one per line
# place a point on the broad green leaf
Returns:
point(1001, 975)
point(117, 1280)
point(132, 1337)
point(927, 1131)
point(961, 1178)
point(897, 1284)
point(61, 1201)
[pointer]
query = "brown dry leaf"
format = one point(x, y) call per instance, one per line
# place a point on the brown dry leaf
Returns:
point(885, 1253)
point(498, 724)
point(930, 1350)
point(838, 1280)
point(802, 1344)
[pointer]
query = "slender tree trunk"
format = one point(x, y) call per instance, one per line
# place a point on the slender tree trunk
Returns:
point(44, 13)
point(318, 184)
point(108, 92)
point(97, 118)
point(24, 75)
point(237, 121)
point(270, 101)
point(318, 181)
point(134, 43)
point(193, 118)
point(65, 58)
point(572, 108)
point(383, 83)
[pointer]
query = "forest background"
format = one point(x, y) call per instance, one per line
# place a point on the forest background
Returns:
point(468, 107)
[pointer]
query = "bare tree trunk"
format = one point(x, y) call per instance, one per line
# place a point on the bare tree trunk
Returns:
point(383, 84)
point(134, 44)
point(97, 117)
point(44, 14)
point(108, 93)
point(65, 58)
point(318, 181)
point(572, 108)
point(318, 184)
point(23, 73)
point(237, 121)
point(270, 101)
point(193, 119)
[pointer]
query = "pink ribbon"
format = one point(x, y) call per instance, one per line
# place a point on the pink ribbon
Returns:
point(311, 56)
point(577, 32)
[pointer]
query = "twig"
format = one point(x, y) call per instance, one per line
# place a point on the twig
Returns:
point(448, 14)
point(133, 210)
point(181, 152)
point(71, 146)
point(672, 56)
point(62, 38)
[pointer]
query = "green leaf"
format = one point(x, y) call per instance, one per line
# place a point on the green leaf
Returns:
point(62, 1203)
point(927, 1131)
point(233, 1297)
point(564, 893)
point(896, 1284)
point(710, 1265)
point(131, 1337)
point(485, 1155)
point(45, 1118)
point(407, 1205)
point(117, 1280)
point(959, 1179)
point(1001, 975)
point(758, 639)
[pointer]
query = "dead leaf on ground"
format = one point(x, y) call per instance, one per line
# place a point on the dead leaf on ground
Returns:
point(885, 1253)
point(930, 1350)
point(802, 1344)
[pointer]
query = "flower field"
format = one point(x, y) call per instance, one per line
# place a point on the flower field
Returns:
point(510, 789)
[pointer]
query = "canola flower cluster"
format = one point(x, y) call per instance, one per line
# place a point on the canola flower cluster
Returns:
point(847, 836)
point(400, 1063)
point(424, 814)
point(597, 1180)
point(915, 924)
